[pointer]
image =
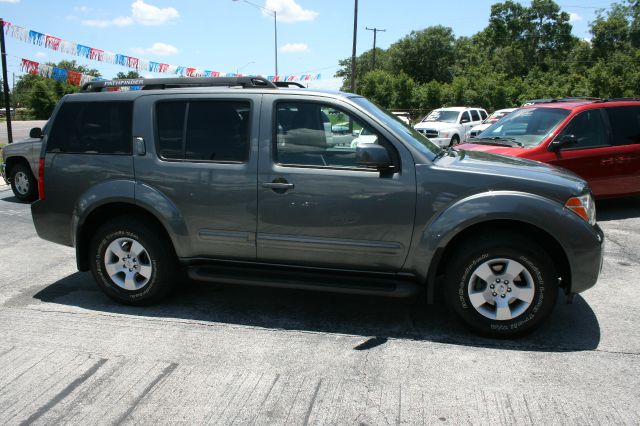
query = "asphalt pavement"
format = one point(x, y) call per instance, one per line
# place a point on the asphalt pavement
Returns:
point(241, 355)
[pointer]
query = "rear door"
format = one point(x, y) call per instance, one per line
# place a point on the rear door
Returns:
point(202, 157)
point(625, 132)
point(316, 206)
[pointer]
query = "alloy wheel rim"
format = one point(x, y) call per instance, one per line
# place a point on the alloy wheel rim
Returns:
point(128, 264)
point(21, 183)
point(501, 289)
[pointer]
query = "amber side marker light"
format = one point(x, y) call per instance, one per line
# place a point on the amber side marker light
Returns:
point(584, 207)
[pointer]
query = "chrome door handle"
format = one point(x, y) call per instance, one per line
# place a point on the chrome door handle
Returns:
point(278, 185)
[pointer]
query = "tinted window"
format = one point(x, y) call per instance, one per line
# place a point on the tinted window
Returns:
point(474, 115)
point(483, 114)
point(588, 128)
point(170, 118)
point(313, 134)
point(92, 128)
point(465, 115)
point(215, 130)
point(625, 124)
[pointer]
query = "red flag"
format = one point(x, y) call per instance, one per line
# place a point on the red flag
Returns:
point(30, 67)
point(190, 71)
point(96, 54)
point(132, 62)
point(52, 42)
point(163, 68)
point(74, 77)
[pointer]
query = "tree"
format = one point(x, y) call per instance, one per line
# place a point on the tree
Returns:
point(42, 99)
point(130, 74)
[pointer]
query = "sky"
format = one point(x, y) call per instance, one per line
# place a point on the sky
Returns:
point(238, 36)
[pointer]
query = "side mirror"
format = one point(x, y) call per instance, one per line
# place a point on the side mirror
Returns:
point(372, 156)
point(36, 132)
point(564, 141)
point(464, 120)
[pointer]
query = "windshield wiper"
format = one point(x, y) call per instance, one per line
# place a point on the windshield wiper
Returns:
point(496, 140)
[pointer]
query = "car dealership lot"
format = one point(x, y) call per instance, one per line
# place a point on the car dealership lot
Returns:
point(246, 355)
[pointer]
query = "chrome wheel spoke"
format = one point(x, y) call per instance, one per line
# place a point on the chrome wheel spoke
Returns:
point(136, 248)
point(513, 269)
point(503, 311)
point(525, 294)
point(145, 271)
point(484, 272)
point(477, 299)
point(113, 268)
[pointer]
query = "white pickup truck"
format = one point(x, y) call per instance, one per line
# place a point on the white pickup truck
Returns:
point(448, 126)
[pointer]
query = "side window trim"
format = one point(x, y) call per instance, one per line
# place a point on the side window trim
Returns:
point(395, 156)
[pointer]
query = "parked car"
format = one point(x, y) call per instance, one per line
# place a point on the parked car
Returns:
point(20, 166)
point(597, 139)
point(448, 126)
point(239, 186)
point(495, 116)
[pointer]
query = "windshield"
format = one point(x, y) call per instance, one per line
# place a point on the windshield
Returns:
point(444, 116)
point(528, 126)
point(412, 136)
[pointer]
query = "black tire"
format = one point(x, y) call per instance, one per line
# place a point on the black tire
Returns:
point(455, 140)
point(23, 184)
point(159, 255)
point(498, 251)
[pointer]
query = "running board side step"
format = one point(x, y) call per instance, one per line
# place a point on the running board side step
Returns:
point(305, 280)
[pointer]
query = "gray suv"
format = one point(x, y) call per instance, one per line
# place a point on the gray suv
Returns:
point(240, 185)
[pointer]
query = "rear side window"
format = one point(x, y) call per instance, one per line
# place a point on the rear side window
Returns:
point(474, 115)
point(465, 116)
point(203, 130)
point(92, 128)
point(483, 114)
point(625, 125)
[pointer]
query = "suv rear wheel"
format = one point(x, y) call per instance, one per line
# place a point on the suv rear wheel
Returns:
point(23, 183)
point(131, 262)
point(501, 286)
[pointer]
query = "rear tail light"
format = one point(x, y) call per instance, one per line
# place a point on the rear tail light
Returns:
point(41, 179)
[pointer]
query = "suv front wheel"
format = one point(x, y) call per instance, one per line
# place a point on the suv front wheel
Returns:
point(501, 286)
point(131, 262)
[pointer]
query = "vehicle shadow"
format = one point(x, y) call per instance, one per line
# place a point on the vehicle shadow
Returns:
point(618, 208)
point(13, 199)
point(570, 328)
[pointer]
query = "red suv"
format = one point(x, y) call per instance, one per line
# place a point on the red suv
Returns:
point(596, 139)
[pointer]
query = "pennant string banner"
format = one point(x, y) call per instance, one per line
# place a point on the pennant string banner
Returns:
point(59, 74)
point(68, 47)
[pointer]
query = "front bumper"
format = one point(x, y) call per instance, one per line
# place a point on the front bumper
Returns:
point(586, 260)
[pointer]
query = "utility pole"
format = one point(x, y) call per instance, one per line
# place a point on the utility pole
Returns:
point(5, 83)
point(375, 31)
point(353, 51)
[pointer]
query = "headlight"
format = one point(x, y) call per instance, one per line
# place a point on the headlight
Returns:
point(583, 206)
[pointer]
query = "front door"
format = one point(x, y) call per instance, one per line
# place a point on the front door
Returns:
point(316, 206)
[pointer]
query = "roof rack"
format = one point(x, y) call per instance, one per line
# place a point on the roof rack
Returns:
point(635, 98)
point(288, 84)
point(174, 83)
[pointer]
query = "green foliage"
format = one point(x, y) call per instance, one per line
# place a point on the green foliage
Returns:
point(525, 52)
point(130, 74)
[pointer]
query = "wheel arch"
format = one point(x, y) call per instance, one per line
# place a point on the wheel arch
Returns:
point(11, 162)
point(540, 236)
point(106, 212)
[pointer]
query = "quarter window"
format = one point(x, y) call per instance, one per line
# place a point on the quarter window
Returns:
point(311, 134)
point(92, 128)
point(203, 130)
point(588, 128)
point(625, 124)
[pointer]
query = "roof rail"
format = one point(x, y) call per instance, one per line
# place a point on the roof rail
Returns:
point(288, 84)
point(174, 83)
point(635, 98)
